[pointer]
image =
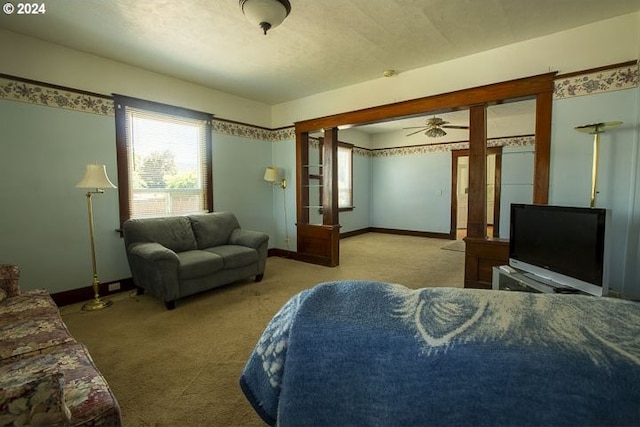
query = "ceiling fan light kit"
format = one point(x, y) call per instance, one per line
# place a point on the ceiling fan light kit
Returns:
point(435, 132)
point(266, 14)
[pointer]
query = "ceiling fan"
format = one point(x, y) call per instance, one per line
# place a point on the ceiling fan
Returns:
point(434, 127)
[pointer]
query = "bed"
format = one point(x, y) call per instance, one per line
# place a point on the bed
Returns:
point(370, 353)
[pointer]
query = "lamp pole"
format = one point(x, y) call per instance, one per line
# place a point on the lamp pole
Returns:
point(596, 129)
point(96, 303)
point(95, 179)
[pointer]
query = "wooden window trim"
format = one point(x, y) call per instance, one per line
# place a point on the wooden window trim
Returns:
point(122, 101)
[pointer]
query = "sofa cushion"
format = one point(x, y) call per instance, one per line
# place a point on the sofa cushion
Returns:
point(235, 256)
point(32, 392)
point(30, 322)
point(194, 264)
point(172, 232)
point(30, 304)
point(213, 229)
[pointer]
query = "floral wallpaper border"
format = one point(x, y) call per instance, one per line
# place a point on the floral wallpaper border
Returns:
point(515, 141)
point(247, 131)
point(625, 77)
point(67, 99)
point(613, 79)
point(518, 141)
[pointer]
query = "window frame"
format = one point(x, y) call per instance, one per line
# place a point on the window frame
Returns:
point(122, 145)
point(319, 177)
point(349, 147)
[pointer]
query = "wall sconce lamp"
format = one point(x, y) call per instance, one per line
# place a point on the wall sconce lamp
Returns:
point(95, 177)
point(596, 129)
point(272, 175)
point(266, 13)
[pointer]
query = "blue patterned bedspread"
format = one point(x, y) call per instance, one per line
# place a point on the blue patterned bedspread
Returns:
point(370, 353)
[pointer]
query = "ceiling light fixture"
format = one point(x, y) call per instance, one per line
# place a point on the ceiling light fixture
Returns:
point(266, 13)
point(435, 132)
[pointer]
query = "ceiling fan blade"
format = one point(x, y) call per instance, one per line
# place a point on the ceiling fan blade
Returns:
point(455, 127)
point(416, 127)
point(418, 131)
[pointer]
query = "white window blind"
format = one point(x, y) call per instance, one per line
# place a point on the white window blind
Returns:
point(167, 165)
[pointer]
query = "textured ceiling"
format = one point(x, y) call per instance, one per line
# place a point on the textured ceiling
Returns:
point(322, 45)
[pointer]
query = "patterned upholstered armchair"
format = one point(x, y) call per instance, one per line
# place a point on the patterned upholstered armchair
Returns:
point(46, 376)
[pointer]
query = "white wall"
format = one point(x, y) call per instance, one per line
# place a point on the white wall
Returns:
point(605, 42)
point(35, 59)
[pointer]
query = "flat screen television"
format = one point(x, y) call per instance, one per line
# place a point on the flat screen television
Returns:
point(561, 245)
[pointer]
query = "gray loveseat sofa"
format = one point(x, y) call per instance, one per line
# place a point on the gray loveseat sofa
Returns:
point(173, 257)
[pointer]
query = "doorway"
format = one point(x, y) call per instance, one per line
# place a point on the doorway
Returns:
point(319, 243)
point(460, 195)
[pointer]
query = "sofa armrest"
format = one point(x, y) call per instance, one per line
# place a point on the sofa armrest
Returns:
point(32, 393)
point(10, 279)
point(155, 268)
point(153, 252)
point(249, 238)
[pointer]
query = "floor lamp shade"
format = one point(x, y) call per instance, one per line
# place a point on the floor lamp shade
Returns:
point(95, 176)
point(95, 179)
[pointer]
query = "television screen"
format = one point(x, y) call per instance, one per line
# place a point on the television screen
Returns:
point(559, 243)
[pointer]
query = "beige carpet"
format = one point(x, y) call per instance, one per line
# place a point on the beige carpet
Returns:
point(181, 367)
point(456, 245)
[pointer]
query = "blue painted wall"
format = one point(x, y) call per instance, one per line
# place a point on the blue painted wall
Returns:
point(238, 181)
point(43, 217)
point(517, 182)
point(412, 192)
point(283, 155)
point(360, 217)
point(570, 174)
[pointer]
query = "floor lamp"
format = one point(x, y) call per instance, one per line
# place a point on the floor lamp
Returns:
point(596, 129)
point(96, 179)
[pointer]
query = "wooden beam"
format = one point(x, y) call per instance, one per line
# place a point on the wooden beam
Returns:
point(524, 88)
point(330, 177)
point(477, 215)
point(542, 152)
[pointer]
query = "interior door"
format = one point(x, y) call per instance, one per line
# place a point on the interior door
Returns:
point(462, 192)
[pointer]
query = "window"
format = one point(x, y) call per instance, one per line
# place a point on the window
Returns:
point(164, 159)
point(345, 176)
